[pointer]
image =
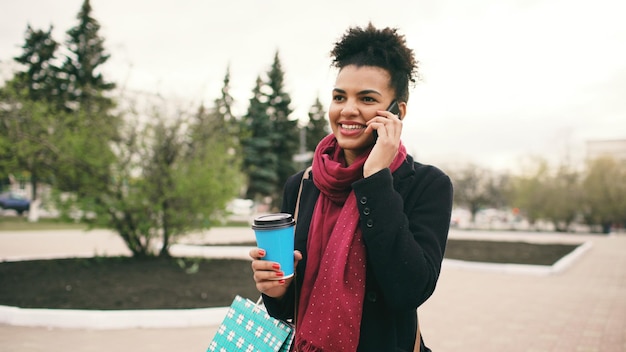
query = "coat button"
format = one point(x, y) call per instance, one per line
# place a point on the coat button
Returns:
point(363, 200)
point(369, 223)
point(371, 296)
point(366, 211)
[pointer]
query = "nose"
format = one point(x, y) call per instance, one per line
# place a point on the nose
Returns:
point(349, 109)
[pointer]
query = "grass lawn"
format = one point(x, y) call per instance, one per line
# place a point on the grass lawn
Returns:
point(21, 223)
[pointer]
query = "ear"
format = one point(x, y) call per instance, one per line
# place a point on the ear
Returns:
point(403, 109)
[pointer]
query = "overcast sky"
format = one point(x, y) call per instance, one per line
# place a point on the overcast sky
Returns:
point(502, 79)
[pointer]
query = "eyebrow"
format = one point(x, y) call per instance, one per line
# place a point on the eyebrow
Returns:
point(363, 92)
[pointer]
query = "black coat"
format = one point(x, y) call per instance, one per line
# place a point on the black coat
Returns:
point(405, 218)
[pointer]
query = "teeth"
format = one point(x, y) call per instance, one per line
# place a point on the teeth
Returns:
point(352, 127)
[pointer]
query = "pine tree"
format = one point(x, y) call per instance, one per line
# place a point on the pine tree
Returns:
point(90, 126)
point(223, 109)
point(317, 127)
point(224, 103)
point(260, 160)
point(39, 76)
point(285, 134)
point(270, 139)
point(217, 125)
point(82, 85)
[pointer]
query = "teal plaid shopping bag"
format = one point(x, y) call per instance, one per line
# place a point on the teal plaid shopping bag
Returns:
point(247, 327)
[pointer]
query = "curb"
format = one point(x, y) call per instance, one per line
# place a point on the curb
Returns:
point(175, 318)
point(111, 319)
point(123, 319)
point(542, 270)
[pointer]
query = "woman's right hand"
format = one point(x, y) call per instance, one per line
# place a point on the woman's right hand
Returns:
point(267, 274)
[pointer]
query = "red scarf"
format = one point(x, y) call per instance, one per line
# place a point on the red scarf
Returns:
point(331, 299)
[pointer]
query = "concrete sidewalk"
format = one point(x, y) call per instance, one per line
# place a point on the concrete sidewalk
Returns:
point(582, 308)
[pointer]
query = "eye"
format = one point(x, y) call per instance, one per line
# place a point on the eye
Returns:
point(338, 98)
point(369, 100)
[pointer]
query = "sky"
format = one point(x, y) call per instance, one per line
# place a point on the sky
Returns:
point(502, 80)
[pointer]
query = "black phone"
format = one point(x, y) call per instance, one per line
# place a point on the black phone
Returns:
point(393, 108)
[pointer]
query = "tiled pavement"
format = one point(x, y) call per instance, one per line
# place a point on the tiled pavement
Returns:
point(581, 308)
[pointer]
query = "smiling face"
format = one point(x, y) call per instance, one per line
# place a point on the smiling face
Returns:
point(359, 93)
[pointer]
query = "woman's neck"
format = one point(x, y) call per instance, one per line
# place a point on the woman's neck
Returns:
point(349, 157)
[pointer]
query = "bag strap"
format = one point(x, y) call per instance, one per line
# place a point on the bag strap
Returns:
point(305, 176)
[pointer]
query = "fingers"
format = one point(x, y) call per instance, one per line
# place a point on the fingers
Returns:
point(265, 270)
point(387, 125)
point(258, 264)
point(389, 129)
point(268, 275)
point(256, 253)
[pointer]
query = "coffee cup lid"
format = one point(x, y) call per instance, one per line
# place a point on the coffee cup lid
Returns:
point(273, 221)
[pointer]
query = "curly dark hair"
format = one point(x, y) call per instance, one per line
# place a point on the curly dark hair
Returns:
point(383, 48)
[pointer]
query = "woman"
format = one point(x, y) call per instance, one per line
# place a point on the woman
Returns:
point(372, 223)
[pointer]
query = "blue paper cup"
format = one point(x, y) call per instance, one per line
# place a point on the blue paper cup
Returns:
point(274, 234)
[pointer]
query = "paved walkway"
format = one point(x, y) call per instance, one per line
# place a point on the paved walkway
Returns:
point(582, 308)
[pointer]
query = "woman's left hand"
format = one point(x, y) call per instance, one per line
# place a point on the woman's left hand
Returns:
point(389, 129)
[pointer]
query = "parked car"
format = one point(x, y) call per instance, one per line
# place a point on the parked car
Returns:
point(15, 201)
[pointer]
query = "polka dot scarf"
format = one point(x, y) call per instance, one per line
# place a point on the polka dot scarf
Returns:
point(331, 300)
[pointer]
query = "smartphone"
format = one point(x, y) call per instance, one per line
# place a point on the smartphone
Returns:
point(393, 108)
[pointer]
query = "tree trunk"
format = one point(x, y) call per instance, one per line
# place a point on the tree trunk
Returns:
point(33, 186)
point(166, 232)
